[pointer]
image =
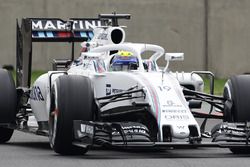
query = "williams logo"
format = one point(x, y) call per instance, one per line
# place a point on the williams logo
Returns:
point(36, 94)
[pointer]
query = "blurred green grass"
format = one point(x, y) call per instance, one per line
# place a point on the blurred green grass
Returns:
point(218, 83)
point(34, 76)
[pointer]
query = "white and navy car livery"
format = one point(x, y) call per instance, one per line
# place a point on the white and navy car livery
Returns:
point(85, 101)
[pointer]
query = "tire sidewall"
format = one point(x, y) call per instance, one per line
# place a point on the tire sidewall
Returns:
point(238, 87)
point(8, 104)
point(8, 97)
point(236, 109)
point(68, 98)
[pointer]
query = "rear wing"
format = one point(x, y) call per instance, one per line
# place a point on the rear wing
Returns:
point(48, 30)
point(57, 30)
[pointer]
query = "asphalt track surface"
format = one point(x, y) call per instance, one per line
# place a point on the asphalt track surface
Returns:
point(26, 150)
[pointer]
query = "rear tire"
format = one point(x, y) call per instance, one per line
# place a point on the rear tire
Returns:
point(237, 106)
point(8, 104)
point(72, 99)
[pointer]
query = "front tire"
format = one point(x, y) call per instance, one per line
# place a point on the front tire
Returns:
point(72, 99)
point(237, 106)
point(8, 104)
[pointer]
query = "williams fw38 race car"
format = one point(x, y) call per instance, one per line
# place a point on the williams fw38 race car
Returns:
point(114, 95)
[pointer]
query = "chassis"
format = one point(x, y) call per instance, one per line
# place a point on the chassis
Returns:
point(131, 126)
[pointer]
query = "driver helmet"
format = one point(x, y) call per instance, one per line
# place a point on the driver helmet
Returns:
point(124, 61)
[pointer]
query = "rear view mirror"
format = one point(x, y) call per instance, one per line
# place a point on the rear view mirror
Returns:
point(174, 56)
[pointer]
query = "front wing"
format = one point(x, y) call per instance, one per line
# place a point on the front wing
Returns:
point(132, 135)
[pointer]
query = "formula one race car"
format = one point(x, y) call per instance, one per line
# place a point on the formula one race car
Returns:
point(115, 95)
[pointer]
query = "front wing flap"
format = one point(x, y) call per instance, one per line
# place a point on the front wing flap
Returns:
point(108, 134)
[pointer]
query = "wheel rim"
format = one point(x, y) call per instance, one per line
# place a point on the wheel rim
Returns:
point(228, 117)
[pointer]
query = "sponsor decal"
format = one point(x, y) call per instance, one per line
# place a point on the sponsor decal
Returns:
point(78, 62)
point(131, 130)
point(182, 133)
point(114, 91)
point(36, 94)
point(177, 117)
point(131, 127)
point(134, 131)
point(164, 88)
point(103, 36)
point(108, 89)
point(170, 103)
point(87, 129)
point(180, 127)
point(174, 111)
point(60, 25)
point(86, 64)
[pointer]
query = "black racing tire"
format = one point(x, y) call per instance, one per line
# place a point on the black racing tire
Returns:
point(8, 104)
point(237, 106)
point(72, 98)
point(237, 91)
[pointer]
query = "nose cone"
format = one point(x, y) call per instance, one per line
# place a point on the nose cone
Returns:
point(180, 131)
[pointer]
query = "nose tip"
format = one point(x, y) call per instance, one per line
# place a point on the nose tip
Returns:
point(180, 131)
